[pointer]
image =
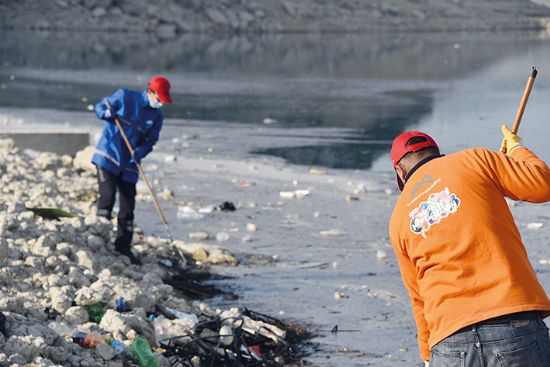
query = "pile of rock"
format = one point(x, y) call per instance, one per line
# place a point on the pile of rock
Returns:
point(172, 16)
point(53, 271)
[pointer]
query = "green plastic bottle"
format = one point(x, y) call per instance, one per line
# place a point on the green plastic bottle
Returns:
point(96, 312)
point(143, 354)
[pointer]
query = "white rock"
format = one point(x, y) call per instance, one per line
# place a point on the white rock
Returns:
point(105, 351)
point(251, 227)
point(61, 299)
point(76, 315)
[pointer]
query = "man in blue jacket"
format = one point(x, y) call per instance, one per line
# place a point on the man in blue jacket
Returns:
point(141, 119)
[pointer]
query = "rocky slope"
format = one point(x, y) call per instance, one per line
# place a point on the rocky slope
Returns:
point(169, 17)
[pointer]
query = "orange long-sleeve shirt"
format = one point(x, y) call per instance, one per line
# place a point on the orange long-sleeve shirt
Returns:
point(459, 250)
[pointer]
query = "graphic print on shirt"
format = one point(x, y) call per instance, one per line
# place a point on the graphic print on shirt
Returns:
point(438, 206)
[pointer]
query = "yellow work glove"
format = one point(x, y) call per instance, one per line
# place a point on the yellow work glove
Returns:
point(510, 141)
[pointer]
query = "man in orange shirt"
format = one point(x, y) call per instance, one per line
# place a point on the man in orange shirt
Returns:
point(476, 299)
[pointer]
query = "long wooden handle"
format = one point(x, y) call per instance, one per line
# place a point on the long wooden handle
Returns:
point(524, 99)
point(142, 173)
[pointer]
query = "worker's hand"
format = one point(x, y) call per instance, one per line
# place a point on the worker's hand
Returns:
point(510, 141)
point(110, 114)
point(135, 159)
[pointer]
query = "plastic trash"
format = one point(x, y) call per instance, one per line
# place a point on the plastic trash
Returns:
point(222, 237)
point(184, 315)
point(120, 348)
point(161, 325)
point(188, 213)
point(143, 354)
point(88, 340)
point(96, 312)
point(227, 206)
point(226, 335)
point(121, 304)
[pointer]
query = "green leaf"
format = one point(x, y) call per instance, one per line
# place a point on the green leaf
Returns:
point(51, 213)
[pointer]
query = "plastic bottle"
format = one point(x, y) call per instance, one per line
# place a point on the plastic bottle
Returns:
point(96, 312)
point(143, 354)
point(161, 325)
point(88, 340)
point(121, 304)
point(120, 348)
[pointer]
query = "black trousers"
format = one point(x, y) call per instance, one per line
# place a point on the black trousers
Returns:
point(109, 184)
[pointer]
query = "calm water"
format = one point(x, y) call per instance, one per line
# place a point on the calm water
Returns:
point(459, 87)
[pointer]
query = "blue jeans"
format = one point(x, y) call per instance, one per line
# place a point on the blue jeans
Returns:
point(502, 342)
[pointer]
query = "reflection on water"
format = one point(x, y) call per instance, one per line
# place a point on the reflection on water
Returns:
point(378, 84)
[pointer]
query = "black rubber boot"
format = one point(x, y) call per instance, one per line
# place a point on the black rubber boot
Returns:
point(123, 244)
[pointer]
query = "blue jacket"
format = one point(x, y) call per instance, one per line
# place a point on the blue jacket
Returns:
point(141, 124)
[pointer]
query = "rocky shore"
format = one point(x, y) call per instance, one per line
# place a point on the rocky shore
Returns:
point(54, 272)
point(170, 17)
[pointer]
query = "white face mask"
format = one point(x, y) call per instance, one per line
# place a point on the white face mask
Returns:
point(153, 102)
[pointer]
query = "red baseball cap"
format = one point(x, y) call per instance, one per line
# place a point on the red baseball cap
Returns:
point(161, 86)
point(400, 148)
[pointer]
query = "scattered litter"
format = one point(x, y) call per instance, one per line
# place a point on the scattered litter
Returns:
point(535, 225)
point(166, 194)
point(296, 194)
point(388, 191)
point(207, 210)
point(317, 171)
point(316, 215)
point(233, 338)
point(244, 183)
point(190, 136)
point(198, 236)
point(227, 206)
point(222, 237)
point(332, 233)
point(121, 304)
point(361, 187)
point(251, 227)
point(247, 238)
point(340, 295)
point(269, 121)
point(51, 213)
point(544, 261)
point(166, 263)
point(170, 159)
point(381, 254)
point(188, 213)
point(351, 198)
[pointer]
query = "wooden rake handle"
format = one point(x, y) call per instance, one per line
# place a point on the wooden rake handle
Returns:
point(523, 103)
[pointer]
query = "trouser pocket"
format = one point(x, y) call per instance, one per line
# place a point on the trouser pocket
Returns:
point(447, 359)
point(526, 356)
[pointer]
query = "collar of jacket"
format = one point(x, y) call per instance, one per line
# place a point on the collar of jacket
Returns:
point(420, 164)
point(144, 100)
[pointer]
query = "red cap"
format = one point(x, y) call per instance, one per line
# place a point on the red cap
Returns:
point(399, 148)
point(161, 86)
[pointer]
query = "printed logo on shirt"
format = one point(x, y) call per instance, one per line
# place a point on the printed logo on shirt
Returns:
point(438, 206)
point(425, 180)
